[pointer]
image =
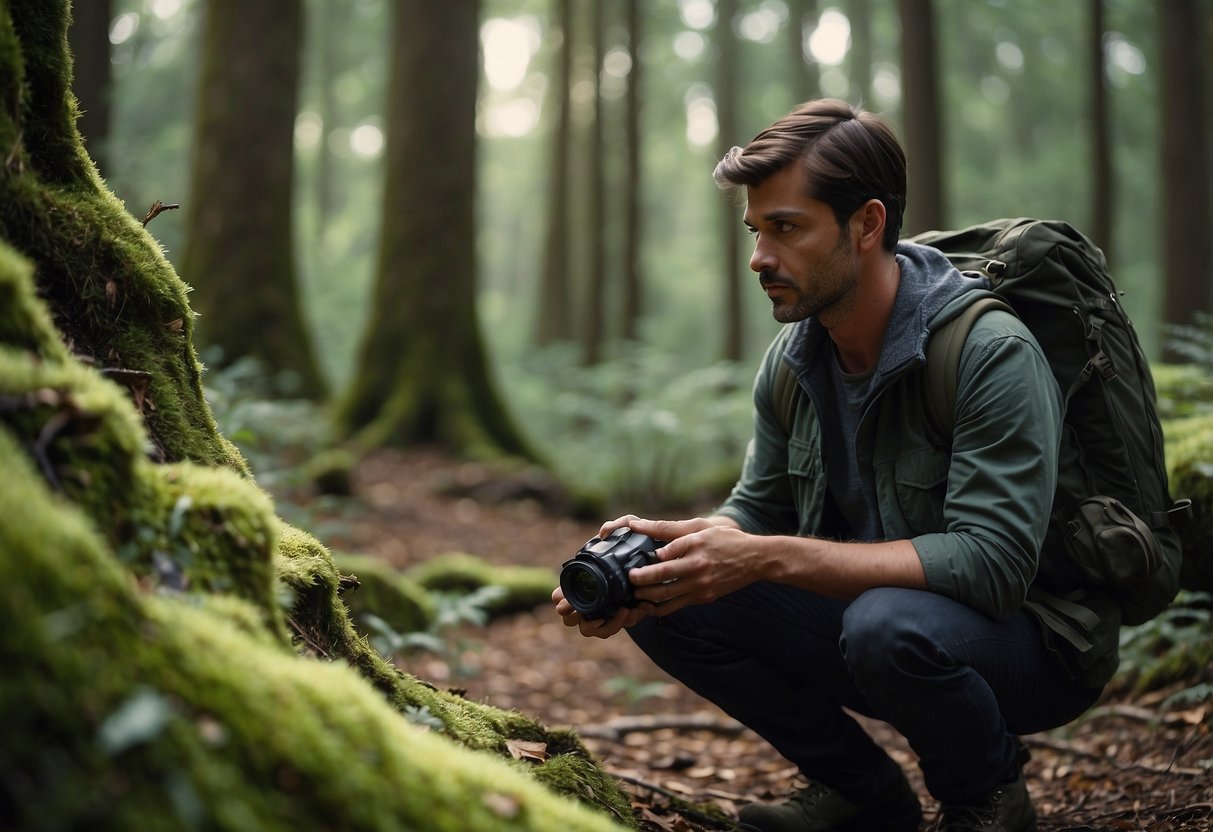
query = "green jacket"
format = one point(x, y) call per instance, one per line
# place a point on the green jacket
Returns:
point(974, 505)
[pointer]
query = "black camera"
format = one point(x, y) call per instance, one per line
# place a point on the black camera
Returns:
point(595, 580)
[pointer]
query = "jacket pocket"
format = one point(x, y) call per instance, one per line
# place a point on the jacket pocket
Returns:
point(807, 476)
point(921, 480)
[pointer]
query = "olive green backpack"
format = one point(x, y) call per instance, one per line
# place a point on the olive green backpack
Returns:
point(1112, 511)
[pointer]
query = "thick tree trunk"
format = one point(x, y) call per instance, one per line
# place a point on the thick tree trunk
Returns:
point(922, 116)
point(239, 253)
point(422, 374)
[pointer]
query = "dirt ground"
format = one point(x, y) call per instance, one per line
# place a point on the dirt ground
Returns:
point(1126, 766)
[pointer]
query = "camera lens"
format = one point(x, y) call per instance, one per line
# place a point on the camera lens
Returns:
point(584, 586)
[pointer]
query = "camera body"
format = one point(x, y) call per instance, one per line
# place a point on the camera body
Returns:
point(595, 580)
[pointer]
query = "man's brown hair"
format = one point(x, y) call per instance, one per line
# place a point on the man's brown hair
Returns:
point(850, 156)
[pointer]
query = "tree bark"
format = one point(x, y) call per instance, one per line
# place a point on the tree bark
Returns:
point(1186, 213)
point(553, 320)
point(594, 314)
point(633, 280)
point(922, 115)
point(806, 79)
point(859, 61)
point(239, 253)
point(1101, 140)
point(422, 375)
point(89, 40)
point(730, 228)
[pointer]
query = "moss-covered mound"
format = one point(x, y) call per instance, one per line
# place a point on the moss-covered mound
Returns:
point(1190, 468)
point(175, 656)
point(125, 709)
point(525, 587)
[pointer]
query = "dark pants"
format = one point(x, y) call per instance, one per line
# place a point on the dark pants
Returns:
point(958, 685)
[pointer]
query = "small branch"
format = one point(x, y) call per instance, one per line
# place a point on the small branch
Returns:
point(157, 208)
point(299, 632)
point(1062, 747)
point(683, 804)
point(617, 728)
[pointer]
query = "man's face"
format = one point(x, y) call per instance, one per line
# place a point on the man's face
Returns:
point(803, 258)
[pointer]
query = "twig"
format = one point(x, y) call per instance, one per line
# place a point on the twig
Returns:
point(683, 806)
point(617, 728)
point(299, 632)
point(1073, 750)
point(156, 209)
point(1138, 713)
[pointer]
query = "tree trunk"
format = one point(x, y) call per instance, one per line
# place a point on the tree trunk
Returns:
point(422, 374)
point(1186, 214)
point(553, 320)
point(633, 281)
point(730, 228)
point(89, 39)
point(239, 253)
point(593, 318)
point(806, 80)
point(922, 116)
point(859, 61)
point(1101, 139)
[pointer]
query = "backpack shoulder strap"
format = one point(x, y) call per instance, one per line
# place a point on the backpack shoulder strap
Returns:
point(943, 362)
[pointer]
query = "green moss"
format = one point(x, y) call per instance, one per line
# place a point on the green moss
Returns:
point(527, 587)
point(383, 591)
point(1189, 450)
point(125, 710)
point(149, 607)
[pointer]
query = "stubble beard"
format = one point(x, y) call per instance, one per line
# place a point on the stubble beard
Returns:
point(832, 290)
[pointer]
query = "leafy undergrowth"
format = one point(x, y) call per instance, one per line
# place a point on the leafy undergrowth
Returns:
point(1138, 761)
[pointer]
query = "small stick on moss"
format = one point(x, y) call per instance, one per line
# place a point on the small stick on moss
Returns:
point(156, 209)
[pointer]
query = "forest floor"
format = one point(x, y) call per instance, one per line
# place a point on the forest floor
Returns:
point(1127, 765)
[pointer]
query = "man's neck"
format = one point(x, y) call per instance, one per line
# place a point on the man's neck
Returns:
point(859, 337)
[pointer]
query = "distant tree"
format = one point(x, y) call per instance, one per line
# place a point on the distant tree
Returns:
point(593, 319)
point(1101, 139)
point(633, 281)
point(239, 249)
point(730, 228)
point(806, 80)
point(859, 60)
point(1186, 216)
point(88, 38)
point(922, 115)
point(422, 374)
point(553, 320)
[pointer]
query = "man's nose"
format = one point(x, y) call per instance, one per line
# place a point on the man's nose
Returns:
point(762, 259)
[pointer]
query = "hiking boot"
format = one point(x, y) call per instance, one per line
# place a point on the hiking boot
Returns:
point(1007, 808)
point(819, 808)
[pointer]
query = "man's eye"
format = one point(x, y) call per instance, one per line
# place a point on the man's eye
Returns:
point(751, 230)
point(783, 227)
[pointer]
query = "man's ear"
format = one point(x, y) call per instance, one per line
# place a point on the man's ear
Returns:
point(867, 224)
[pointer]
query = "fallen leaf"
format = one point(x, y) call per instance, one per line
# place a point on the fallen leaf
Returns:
point(524, 750)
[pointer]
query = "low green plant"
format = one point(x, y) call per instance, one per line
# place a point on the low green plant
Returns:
point(641, 430)
point(1176, 647)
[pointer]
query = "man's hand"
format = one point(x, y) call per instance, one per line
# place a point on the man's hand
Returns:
point(601, 627)
point(703, 560)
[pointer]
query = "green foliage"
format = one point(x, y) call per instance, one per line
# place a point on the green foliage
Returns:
point(640, 430)
point(1176, 646)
